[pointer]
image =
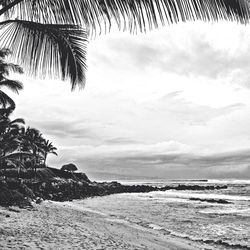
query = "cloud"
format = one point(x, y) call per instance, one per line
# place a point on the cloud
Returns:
point(121, 141)
point(166, 103)
point(174, 165)
point(124, 150)
point(173, 104)
point(192, 160)
point(67, 129)
point(184, 49)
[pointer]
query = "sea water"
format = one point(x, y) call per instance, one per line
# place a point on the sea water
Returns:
point(173, 212)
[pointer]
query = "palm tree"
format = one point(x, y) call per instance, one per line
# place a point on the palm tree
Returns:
point(9, 142)
point(7, 104)
point(48, 37)
point(48, 149)
point(32, 141)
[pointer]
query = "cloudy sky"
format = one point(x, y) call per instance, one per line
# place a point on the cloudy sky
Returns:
point(172, 103)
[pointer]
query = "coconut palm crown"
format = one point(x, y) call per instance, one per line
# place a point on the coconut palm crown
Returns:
point(9, 142)
point(48, 148)
point(48, 37)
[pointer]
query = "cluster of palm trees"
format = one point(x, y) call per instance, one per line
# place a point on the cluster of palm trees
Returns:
point(20, 147)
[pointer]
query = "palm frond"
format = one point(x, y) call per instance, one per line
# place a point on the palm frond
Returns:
point(5, 112)
point(13, 67)
point(15, 155)
point(17, 121)
point(15, 163)
point(13, 85)
point(9, 144)
point(129, 14)
point(4, 52)
point(46, 49)
point(6, 101)
point(46, 39)
point(5, 68)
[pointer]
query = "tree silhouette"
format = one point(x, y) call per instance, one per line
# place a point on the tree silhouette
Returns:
point(19, 147)
point(69, 167)
point(32, 142)
point(10, 142)
point(48, 37)
point(7, 105)
point(48, 148)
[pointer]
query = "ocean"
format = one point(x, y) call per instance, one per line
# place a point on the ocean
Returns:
point(193, 215)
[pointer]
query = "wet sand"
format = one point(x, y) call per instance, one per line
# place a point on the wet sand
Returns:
point(54, 225)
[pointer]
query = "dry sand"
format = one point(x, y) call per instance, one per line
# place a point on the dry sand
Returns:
point(53, 225)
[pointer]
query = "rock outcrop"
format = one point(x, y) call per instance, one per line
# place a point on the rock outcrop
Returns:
point(58, 185)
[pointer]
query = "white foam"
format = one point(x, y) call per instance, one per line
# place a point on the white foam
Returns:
point(155, 227)
point(188, 195)
point(230, 210)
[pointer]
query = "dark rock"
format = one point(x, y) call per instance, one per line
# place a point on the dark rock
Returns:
point(68, 175)
point(39, 200)
point(13, 210)
point(10, 197)
point(193, 187)
point(59, 185)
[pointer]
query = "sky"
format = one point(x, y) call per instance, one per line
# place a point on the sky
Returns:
point(172, 103)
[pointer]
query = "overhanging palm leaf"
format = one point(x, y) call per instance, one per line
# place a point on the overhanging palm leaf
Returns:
point(14, 86)
point(134, 15)
point(49, 48)
point(128, 12)
point(6, 67)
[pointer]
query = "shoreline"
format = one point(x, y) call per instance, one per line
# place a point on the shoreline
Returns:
point(65, 226)
point(58, 185)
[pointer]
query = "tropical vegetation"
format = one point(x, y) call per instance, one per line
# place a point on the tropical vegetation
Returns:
point(7, 103)
point(49, 37)
point(20, 147)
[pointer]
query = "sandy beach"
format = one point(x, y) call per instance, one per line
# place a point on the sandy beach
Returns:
point(54, 225)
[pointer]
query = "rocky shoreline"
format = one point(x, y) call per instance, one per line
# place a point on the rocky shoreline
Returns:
point(58, 185)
